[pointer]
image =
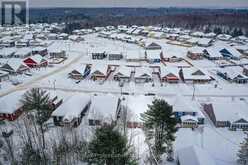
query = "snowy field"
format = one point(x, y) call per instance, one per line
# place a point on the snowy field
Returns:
point(222, 144)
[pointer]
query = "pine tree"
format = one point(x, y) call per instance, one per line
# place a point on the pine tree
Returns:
point(110, 147)
point(37, 101)
point(243, 152)
point(160, 119)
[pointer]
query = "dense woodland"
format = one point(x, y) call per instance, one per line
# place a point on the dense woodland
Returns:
point(218, 20)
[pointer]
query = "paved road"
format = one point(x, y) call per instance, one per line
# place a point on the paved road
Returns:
point(29, 83)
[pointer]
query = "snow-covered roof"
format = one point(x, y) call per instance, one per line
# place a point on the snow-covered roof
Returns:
point(103, 107)
point(135, 54)
point(204, 41)
point(181, 104)
point(23, 51)
point(7, 51)
point(193, 155)
point(195, 74)
point(153, 54)
point(213, 52)
point(124, 71)
point(197, 34)
point(15, 64)
point(188, 118)
point(196, 50)
point(11, 102)
point(169, 70)
point(224, 37)
point(233, 72)
point(233, 51)
point(143, 72)
point(102, 68)
point(37, 58)
point(230, 111)
point(72, 107)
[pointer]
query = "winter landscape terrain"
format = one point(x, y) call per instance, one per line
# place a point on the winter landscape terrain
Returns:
point(119, 71)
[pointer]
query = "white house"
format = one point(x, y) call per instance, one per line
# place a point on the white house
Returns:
point(104, 109)
point(71, 112)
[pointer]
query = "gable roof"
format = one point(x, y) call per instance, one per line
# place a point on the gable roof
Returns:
point(103, 107)
point(72, 107)
point(11, 102)
point(230, 111)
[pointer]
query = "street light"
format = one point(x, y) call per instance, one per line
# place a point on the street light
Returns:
point(54, 84)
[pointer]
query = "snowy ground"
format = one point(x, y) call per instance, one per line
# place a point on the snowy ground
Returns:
point(222, 144)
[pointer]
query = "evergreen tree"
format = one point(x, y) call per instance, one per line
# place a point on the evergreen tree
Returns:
point(110, 147)
point(38, 100)
point(217, 30)
point(159, 118)
point(243, 152)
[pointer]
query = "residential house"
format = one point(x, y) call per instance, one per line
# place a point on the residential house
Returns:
point(22, 43)
point(115, 55)
point(15, 67)
point(104, 110)
point(7, 52)
point(197, 34)
point(23, 52)
point(7, 42)
point(153, 56)
point(185, 107)
point(36, 61)
point(4, 76)
point(62, 36)
point(52, 36)
point(142, 75)
point(99, 72)
point(230, 52)
point(99, 55)
point(172, 36)
point(195, 53)
point(189, 121)
point(194, 75)
point(245, 71)
point(76, 38)
point(80, 73)
point(152, 46)
point(10, 106)
point(212, 54)
point(231, 114)
point(224, 37)
point(204, 42)
point(72, 111)
point(169, 74)
point(40, 50)
point(135, 55)
point(123, 73)
point(57, 54)
point(233, 74)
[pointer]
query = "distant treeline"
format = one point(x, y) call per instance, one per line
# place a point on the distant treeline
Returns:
point(219, 20)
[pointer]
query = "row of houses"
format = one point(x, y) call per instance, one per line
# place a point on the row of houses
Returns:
point(214, 53)
point(11, 107)
point(15, 66)
point(99, 109)
point(22, 52)
point(140, 74)
point(149, 55)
